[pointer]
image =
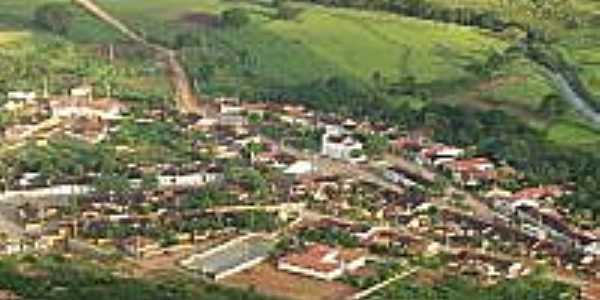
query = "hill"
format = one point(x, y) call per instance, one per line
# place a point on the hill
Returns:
point(79, 55)
point(415, 58)
point(412, 60)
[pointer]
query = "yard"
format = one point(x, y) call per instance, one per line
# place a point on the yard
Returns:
point(266, 279)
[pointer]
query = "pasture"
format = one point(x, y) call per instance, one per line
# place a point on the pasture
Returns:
point(324, 41)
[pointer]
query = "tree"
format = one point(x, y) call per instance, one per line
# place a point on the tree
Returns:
point(376, 144)
point(149, 181)
point(111, 183)
point(235, 17)
point(553, 106)
point(55, 17)
point(285, 11)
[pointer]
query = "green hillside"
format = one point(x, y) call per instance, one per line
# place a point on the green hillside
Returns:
point(368, 49)
point(323, 42)
point(352, 42)
point(28, 54)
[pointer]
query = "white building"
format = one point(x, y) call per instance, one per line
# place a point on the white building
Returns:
point(439, 154)
point(397, 176)
point(21, 96)
point(82, 91)
point(106, 109)
point(232, 257)
point(189, 180)
point(230, 106)
point(338, 144)
point(299, 168)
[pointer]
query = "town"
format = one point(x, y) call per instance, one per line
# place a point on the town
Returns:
point(299, 150)
point(269, 195)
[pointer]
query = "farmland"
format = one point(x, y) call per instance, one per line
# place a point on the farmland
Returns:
point(272, 57)
point(79, 55)
point(270, 54)
point(326, 39)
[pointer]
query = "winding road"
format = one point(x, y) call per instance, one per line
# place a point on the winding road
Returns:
point(570, 95)
point(187, 102)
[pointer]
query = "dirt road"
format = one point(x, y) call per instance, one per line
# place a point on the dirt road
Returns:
point(187, 102)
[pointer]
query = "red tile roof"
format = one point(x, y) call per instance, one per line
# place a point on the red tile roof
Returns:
point(537, 193)
point(315, 257)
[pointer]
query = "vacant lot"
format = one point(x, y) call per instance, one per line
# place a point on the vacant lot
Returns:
point(266, 279)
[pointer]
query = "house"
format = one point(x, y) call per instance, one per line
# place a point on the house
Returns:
point(82, 91)
point(90, 130)
point(18, 131)
point(472, 171)
point(214, 173)
point(539, 193)
point(230, 106)
point(232, 121)
point(106, 109)
point(205, 124)
point(408, 143)
point(296, 120)
point(338, 144)
point(299, 168)
point(21, 96)
point(548, 225)
point(530, 197)
point(388, 237)
point(294, 109)
point(439, 154)
point(138, 246)
point(593, 248)
point(323, 262)
point(397, 176)
point(52, 238)
point(187, 180)
point(11, 246)
point(258, 109)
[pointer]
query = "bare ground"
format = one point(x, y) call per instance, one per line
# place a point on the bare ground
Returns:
point(266, 279)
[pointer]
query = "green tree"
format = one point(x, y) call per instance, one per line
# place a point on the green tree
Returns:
point(235, 17)
point(55, 17)
point(285, 10)
point(149, 181)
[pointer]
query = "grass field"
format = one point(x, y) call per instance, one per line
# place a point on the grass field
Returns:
point(355, 44)
point(570, 132)
point(27, 54)
point(324, 40)
point(580, 44)
point(7, 37)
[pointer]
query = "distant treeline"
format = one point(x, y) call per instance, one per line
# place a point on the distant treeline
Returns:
point(425, 10)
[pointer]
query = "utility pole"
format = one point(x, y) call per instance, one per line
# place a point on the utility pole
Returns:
point(111, 52)
point(45, 94)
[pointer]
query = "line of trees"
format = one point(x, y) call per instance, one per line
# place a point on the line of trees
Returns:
point(425, 10)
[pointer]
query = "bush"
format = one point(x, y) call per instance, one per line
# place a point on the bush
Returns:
point(235, 17)
point(54, 17)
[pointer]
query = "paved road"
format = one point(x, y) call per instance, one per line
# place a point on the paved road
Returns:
point(569, 94)
point(479, 208)
point(331, 166)
point(366, 173)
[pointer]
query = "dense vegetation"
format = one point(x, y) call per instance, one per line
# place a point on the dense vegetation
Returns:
point(457, 288)
point(60, 44)
point(55, 277)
